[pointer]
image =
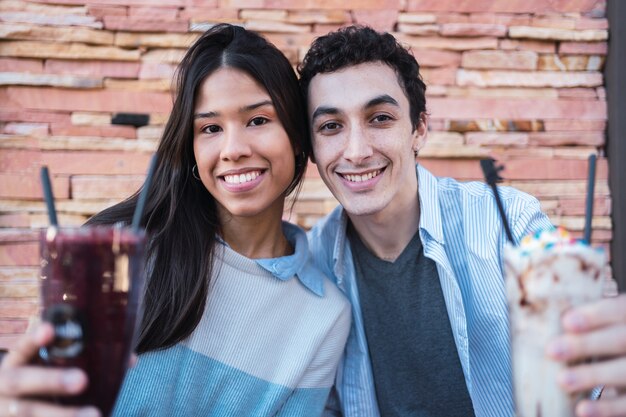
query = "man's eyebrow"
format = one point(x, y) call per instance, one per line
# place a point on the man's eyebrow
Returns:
point(324, 110)
point(243, 109)
point(382, 99)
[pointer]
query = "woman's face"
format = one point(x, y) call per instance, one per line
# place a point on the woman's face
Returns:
point(244, 156)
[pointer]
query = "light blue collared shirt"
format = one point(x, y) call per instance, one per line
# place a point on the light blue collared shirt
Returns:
point(461, 231)
point(299, 264)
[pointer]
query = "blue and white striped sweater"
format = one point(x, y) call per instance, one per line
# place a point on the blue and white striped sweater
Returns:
point(265, 346)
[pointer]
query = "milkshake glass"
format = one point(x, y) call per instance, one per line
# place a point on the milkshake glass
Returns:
point(547, 274)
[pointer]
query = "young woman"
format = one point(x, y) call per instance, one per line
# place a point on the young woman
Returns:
point(237, 319)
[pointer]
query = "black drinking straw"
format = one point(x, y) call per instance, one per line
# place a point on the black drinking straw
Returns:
point(491, 176)
point(48, 196)
point(591, 181)
point(141, 202)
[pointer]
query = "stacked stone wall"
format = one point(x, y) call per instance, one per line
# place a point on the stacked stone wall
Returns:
point(518, 80)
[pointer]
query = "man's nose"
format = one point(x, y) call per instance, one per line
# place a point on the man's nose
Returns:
point(358, 147)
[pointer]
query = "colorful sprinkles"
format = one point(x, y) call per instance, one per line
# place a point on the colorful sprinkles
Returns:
point(546, 239)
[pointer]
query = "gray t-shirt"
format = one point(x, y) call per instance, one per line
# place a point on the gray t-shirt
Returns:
point(417, 371)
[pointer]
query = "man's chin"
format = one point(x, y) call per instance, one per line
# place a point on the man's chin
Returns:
point(356, 203)
point(360, 210)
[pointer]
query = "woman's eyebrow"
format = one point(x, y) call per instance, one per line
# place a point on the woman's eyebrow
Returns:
point(205, 115)
point(243, 109)
point(256, 106)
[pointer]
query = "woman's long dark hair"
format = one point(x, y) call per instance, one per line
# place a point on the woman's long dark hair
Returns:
point(180, 214)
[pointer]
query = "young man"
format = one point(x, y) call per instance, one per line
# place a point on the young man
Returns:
point(418, 256)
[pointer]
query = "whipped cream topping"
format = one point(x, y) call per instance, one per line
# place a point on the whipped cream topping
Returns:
point(551, 264)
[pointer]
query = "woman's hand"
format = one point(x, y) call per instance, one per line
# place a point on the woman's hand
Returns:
point(595, 331)
point(20, 382)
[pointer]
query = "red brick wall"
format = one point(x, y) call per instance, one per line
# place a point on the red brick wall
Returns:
point(520, 80)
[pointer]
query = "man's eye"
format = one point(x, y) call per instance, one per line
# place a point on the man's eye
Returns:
point(211, 129)
point(258, 121)
point(381, 118)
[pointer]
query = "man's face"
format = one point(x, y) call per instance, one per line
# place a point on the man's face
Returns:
point(363, 140)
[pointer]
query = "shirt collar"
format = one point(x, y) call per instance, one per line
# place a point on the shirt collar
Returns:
point(299, 264)
point(430, 216)
point(340, 216)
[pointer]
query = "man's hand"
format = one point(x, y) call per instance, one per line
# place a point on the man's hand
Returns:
point(595, 331)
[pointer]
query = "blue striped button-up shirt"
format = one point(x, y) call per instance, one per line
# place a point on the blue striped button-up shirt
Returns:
point(462, 232)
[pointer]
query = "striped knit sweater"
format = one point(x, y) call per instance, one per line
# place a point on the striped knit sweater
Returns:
point(268, 344)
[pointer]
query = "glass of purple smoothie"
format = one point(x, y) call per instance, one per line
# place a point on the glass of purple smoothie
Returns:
point(91, 285)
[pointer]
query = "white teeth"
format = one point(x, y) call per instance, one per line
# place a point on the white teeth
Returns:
point(241, 178)
point(361, 178)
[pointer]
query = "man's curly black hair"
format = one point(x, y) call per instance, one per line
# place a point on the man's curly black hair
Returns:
point(355, 45)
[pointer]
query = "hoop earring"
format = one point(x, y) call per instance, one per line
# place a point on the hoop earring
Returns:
point(194, 172)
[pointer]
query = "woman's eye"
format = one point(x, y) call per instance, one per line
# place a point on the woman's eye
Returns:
point(258, 121)
point(329, 126)
point(211, 129)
